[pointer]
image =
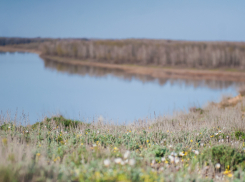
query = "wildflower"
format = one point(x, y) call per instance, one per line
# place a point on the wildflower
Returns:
point(94, 145)
point(217, 166)
point(191, 140)
point(167, 131)
point(161, 169)
point(202, 144)
point(122, 163)
point(118, 160)
point(219, 131)
point(126, 161)
point(161, 142)
point(81, 143)
point(181, 154)
point(27, 131)
point(171, 158)
point(196, 152)
point(131, 162)
point(38, 154)
point(170, 146)
point(216, 134)
point(147, 141)
point(163, 159)
point(126, 154)
point(107, 162)
point(176, 160)
point(98, 132)
point(152, 162)
point(9, 127)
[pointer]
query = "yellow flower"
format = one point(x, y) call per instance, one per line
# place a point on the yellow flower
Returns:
point(81, 143)
point(130, 131)
point(230, 175)
point(147, 141)
point(38, 154)
point(191, 140)
point(167, 131)
point(166, 162)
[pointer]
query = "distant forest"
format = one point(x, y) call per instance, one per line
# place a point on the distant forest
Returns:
point(166, 53)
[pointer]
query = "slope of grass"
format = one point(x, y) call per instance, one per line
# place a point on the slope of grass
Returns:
point(195, 146)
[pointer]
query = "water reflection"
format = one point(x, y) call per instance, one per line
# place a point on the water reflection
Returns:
point(119, 73)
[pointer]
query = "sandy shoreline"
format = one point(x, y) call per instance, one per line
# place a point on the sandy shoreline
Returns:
point(154, 72)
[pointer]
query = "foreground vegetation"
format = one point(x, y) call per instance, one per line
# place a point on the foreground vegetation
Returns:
point(202, 145)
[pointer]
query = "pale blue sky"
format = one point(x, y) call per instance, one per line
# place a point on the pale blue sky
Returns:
point(172, 19)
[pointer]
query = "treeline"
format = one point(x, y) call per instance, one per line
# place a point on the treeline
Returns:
point(141, 51)
point(15, 40)
point(152, 52)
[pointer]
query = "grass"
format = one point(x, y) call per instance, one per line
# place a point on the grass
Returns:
point(202, 145)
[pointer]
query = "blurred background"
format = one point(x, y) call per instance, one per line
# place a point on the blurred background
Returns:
point(118, 60)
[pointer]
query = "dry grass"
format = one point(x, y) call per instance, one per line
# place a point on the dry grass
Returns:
point(183, 147)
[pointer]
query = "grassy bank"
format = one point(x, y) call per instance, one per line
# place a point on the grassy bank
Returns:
point(203, 145)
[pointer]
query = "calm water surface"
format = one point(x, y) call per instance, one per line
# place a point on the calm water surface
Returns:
point(41, 88)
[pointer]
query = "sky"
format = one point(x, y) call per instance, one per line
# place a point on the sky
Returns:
point(113, 19)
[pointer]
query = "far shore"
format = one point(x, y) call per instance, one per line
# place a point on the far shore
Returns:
point(152, 71)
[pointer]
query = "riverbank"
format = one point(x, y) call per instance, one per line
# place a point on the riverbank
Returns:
point(152, 71)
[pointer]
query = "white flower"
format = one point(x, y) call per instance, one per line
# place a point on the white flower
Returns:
point(219, 131)
point(107, 162)
point(131, 162)
point(171, 158)
point(176, 160)
point(217, 166)
point(170, 146)
point(216, 133)
point(222, 140)
point(196, 152)
point(126, 161)
point(161, 142)
point(98, 131)
point(126, 155)
point(122, 163)
point(181, 154)
point(94, 145)
point(152, 162)
point(173, 154)
point(202, 144)
point(161, 169)
point(26, 131)
point(118, 160)
point(9, 127)
point(163, 159)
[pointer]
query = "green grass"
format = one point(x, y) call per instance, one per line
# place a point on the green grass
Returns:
point(203, 145)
